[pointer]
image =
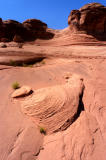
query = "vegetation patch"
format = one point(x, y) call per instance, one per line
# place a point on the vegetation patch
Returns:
point(42, 130)
point(15, 85)
point(37, 63)
point(27, 65)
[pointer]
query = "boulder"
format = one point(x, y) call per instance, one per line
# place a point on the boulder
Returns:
point(23, 91)
point(91, 18)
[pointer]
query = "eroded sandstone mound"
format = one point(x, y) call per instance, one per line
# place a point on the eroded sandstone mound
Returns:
point(55, 108)
point(90, 18)
point(29, 30)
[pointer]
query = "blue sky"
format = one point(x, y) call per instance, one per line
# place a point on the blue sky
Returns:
point(53, 12)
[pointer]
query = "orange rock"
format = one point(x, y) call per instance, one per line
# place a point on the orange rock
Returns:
point(90, 18)
point(23, 91)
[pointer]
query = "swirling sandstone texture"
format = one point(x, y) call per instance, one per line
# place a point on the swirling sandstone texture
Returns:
point(55, 108)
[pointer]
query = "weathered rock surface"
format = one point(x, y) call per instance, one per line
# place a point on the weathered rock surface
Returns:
point(85, 138)
point(18, 58)
point(9, 28)
point(91, 18)
point(18, 39)
point(29, 30)
point(23, 91)
point(55, 108)
point(82, 141)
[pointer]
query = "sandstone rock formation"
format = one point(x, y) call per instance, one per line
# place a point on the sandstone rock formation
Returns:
point(27, 31)
point(18, 39)
point(19, 58)
point(55, 108)
point(91, 18)
point(23, 91)
point(85, 138)
point(9, 28)
point(36, 28)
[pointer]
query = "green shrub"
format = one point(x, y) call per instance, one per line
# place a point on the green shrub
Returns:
point(42, 130)
point(27, 65)
point(15, 85)
point(30, 65)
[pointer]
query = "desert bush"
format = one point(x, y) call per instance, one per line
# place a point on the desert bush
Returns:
point(42, 130)
point(27, 65)
point(15, 85)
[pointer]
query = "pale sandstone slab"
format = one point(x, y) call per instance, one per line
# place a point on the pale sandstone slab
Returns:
point(23, 91)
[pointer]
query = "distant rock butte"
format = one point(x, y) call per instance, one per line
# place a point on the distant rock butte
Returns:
point(91, 18)
point(29, 30)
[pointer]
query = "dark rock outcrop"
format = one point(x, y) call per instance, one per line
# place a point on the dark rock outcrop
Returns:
point(35, 26)
point(37, 29)
point(18, 39)
point(9, 28)
point(29, 30)
point(91, 18)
